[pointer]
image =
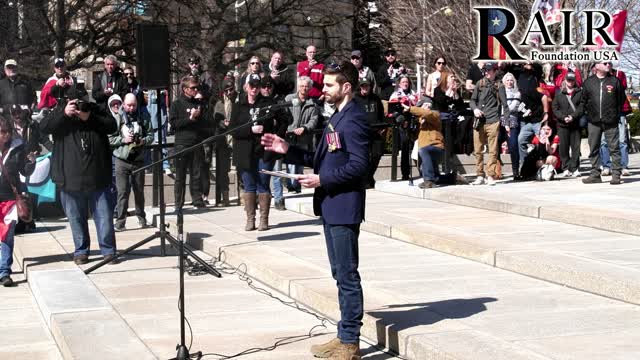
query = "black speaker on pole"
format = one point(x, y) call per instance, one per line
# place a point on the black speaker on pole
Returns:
point(152, 53)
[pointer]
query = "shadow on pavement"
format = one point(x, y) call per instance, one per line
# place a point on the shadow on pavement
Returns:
point(392, 321)
point(297, 223)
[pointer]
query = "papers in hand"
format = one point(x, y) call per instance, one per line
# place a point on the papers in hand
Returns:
point(279, 174)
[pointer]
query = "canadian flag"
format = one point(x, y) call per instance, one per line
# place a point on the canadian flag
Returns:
point(615, 31)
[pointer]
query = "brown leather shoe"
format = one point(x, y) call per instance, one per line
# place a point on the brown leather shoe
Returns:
point(325, 350)
point(81, 259)
point(346, 352)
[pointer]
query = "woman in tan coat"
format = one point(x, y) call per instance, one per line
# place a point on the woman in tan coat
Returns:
point(430, 143)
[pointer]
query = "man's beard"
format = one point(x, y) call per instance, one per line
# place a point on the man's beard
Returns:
point(195, 72)
point(334, 99)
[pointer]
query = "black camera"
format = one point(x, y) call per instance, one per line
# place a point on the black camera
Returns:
point(83, 106)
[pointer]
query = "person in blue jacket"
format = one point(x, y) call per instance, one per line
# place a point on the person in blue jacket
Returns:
point(340, 165)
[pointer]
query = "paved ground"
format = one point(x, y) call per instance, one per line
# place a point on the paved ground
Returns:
point(226, 315)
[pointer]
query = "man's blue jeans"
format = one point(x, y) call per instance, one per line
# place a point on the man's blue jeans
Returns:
point(605, 158)
point(430, 156)
point(256, 182)
point(527, 132)
point(277, 181)
point(76, 205)
point(6, 251)
point(342, 248)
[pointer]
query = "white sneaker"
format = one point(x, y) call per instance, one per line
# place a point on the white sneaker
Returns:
point(625, 172)
point(479, 181)
point(566, 173)
point(576, 174)
point(606, 172)
point(491, 181)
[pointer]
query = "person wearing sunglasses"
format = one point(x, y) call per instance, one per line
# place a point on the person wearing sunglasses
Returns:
point(254, 67)
point(440, 65)
point(364, 72)
point(205, 80)
point(132, 82)
point(340, 165)
point(313, 69)
point(187, 116)
point(389, 73)
point(249, 157)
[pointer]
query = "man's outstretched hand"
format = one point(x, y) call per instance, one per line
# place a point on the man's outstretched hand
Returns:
point(272, 142)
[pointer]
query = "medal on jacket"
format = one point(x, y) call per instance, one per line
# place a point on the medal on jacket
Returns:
point(333, 139)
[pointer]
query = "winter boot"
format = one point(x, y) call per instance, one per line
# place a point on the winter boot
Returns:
point(250, 209)
point(265, 203)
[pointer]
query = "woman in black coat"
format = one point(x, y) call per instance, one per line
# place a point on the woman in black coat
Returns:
point(249, 156)
point(565, 105)
point(15, 161)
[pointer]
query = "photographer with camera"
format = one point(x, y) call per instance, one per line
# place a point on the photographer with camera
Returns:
point(81, 169)
point(109, 82)
point(486, 103)
point(57, 86)
point(134, 130)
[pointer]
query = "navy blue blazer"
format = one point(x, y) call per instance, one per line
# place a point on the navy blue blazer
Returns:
point(340, 199)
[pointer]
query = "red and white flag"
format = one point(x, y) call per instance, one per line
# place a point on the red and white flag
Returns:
point(550, 10)
point(615, 31)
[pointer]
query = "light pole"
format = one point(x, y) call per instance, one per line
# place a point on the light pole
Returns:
point(372, 8)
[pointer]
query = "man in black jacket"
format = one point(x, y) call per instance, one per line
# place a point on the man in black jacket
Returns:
point(81, 169)
point(14, 88)
point(389, 73)
point(602, 100)
point(372, 105)
point(108, 83)
point(283, 76)
point(188, 118)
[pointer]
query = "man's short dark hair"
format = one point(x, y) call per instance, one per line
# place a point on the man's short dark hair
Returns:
point(346, 73)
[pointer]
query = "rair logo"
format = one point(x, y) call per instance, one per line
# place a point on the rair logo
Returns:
point(496, 24)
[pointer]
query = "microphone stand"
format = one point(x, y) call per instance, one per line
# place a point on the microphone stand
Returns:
point(163, 234)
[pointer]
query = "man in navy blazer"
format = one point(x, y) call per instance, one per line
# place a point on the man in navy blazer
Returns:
point(340, 166)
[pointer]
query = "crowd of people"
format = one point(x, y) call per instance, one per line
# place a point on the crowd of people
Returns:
point(333, 117)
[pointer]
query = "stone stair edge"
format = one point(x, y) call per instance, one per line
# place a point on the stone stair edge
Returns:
point(604, 280)
point(302, 290)
point(57, 321)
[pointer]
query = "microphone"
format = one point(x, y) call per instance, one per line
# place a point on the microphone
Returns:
point(292, 102)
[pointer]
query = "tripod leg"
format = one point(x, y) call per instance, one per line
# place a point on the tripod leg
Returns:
point(127, 250)
point(190, 252)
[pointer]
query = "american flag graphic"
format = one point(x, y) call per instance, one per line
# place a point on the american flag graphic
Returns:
point(497, 23)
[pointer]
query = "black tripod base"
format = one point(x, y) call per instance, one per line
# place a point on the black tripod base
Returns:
point(183, 354)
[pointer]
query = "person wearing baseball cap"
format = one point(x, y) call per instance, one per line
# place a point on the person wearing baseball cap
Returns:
point(57, 86)
point(15, 89)
point(249, 156)
point(389, 73)
point(364, 72)
point(372, 105)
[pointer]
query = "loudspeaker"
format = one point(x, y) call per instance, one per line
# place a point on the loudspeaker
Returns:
point(152, 54)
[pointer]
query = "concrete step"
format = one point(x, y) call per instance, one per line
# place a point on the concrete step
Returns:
point(597, 261)
point(565, 200)
point(423, 304)
point(77, 315)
